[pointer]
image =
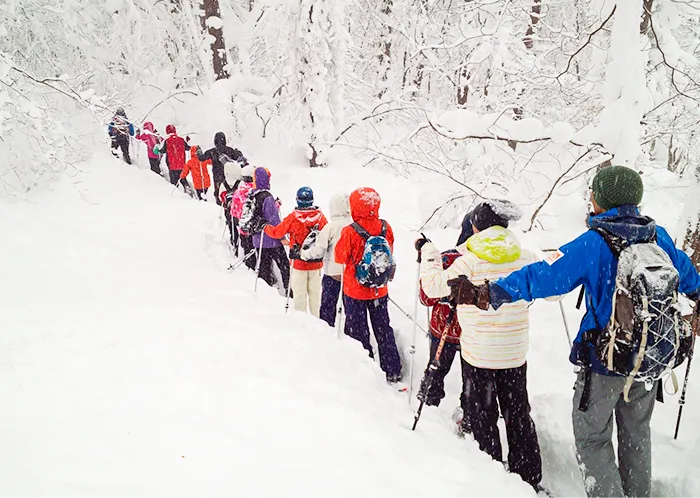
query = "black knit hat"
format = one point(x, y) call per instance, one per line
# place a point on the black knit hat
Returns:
point(616, 186)
point(484, 217)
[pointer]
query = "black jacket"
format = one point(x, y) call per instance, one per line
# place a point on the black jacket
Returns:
point(220, 154)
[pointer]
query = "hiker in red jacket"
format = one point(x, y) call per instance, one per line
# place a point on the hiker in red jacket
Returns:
point(366, 246)
point(305, 279)
point(174, 147)
point(439, 324)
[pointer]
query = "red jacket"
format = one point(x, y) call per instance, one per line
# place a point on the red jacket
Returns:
point(198, 169)
point(298, 225)
point(175, 147)
point(441, 310)
point(364, 209)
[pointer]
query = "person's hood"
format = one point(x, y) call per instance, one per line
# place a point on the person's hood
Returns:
point(495, 244)
point(340, 205)
point(364, 204)
point(193, 151)
point(625, 222)
point(149, 126)
point(261, 179)
point(220, 140)
point(170, 130)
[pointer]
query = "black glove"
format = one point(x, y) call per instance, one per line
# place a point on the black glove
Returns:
point(420, 243)
point(465, 292)
point(295, 252)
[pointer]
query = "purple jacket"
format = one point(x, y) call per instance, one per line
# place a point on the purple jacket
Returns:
point(270, 211)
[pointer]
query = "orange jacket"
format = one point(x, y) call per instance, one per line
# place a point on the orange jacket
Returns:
point(198, 169)
point(364, 208)
point(298, 225)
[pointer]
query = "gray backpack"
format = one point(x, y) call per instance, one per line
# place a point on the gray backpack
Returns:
point(645, 337)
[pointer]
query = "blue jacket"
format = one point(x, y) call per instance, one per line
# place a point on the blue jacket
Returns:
point(588, 261)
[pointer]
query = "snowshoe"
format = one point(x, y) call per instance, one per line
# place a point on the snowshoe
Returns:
point(114, 153)
point(542, 491)
point(462, 425)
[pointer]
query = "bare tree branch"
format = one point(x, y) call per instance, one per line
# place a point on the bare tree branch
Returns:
point(590, 38)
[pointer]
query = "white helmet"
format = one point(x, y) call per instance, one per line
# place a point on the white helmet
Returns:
point(247, 171)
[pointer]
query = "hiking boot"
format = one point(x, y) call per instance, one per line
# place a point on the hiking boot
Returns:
point(393, 379)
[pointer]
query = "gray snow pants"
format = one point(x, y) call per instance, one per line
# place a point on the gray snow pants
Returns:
point(593, 434)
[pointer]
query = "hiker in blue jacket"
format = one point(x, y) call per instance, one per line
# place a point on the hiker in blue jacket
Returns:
point(589, 261)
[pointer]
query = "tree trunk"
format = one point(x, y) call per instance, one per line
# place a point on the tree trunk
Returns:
point(534, 19)
point(215, 29)
point(646, 17)
point(385, 47)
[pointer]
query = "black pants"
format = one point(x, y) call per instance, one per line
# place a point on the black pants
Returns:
point(155, 164)
point(217, 186)
point(122, 142)
point(486, 390)
point(437, 387)
point(247, 245)
point(278, 256)
point(201, 192)
point(175, 176)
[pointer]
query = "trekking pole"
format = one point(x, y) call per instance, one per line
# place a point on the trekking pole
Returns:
point(339, 319)
point(566, 324)
point(407, 315)
point(412, 349)
point(257, 263)
point(427, 380)
point(681, 401)
point(239, 263)
point(289, 287)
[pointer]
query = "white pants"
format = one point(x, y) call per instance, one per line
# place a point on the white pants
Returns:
point(306, 286)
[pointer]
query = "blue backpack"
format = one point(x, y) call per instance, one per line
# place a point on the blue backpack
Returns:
point(377, 267)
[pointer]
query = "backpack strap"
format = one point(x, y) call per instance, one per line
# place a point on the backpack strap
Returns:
point(615, 244)
point(361, 231)
point(384, 229)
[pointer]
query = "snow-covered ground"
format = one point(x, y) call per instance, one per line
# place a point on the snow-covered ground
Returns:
point(133, 363)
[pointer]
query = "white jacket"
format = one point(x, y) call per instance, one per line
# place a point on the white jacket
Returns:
point(493, 339)
point(329, 235)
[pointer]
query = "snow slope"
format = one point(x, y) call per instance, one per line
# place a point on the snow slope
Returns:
point(132, 363)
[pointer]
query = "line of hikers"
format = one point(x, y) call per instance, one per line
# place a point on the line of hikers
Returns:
point(631, 335)
point(630, 270)
point(224, 161)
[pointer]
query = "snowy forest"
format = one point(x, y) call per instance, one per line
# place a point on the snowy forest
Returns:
point(539, 88)
point(445, 103)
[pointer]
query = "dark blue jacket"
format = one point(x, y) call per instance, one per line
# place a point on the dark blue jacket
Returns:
point(588, 261)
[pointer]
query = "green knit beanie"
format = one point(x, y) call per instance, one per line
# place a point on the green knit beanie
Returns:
point(616, 186)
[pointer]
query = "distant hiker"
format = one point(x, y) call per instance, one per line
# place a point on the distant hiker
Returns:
point(219, 154)
point(261, 209)
point(120, 129)
point(200, 173)
point(237, 202)
point(305, 275)
point(324, 247)
point(441, 324)
point(364, 248)
point(609, 385)
point(151, 138)
point(174, 147)
point(493, 344)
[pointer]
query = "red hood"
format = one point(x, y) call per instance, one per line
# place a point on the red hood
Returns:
point(364, 204)
point(193, 151)
point(149, 126)
point(170, 129)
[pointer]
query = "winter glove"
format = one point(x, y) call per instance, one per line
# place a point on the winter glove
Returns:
point(295, 252)
point(465, 292)
point(420, 243)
